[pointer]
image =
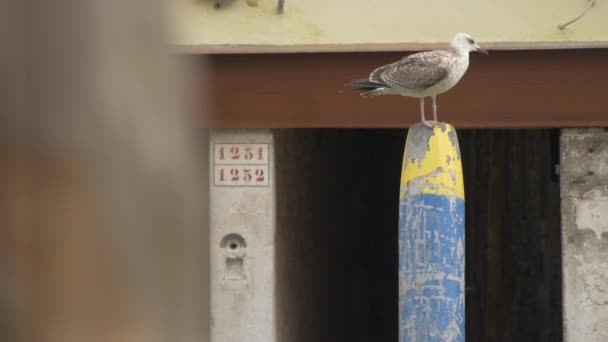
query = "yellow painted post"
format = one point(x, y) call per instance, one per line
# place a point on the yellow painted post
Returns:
point(431, 237)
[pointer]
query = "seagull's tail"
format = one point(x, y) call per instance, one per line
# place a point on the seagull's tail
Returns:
point(371, 88)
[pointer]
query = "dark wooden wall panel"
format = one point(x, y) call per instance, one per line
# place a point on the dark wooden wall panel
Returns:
point(513, 270)
point(476, 147)
point(337, 251)
point(543, 88)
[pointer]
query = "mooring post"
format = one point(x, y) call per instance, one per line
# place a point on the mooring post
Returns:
point(431, 237)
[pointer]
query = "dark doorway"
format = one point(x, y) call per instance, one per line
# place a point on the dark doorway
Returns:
point(337, 206)
point(513, 233)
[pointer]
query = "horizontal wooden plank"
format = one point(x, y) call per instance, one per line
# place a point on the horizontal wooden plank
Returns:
point(541, 88)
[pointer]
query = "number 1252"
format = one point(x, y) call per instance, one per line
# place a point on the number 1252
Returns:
point(236, 175)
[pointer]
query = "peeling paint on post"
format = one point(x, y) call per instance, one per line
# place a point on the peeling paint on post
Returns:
point(431, 237)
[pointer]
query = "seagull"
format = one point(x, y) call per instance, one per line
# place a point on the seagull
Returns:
point(422, 74)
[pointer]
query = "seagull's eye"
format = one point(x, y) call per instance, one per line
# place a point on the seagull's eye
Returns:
point(471, 41)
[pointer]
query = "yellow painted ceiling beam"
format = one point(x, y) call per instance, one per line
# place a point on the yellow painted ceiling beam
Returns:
point(347, 25)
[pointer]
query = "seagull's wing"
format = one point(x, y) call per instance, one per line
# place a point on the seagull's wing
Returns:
point(375, 76)
point(417, 71)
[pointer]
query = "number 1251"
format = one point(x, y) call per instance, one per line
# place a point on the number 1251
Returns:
point(241, 153)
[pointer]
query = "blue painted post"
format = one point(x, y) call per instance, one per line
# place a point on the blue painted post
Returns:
point(431, 237)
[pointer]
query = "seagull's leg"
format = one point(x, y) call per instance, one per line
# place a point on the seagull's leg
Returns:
point(435, 108)
point(422, 118)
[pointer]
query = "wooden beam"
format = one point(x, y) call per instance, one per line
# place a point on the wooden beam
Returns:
point(553, 88)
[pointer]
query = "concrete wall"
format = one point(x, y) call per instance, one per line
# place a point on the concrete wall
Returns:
point(584, 183)
point(242, 234)
point(408, 24)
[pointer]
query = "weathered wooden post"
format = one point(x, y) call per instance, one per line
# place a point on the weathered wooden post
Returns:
point(431, 237)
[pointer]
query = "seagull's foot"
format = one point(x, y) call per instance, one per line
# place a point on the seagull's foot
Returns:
point(429, 123)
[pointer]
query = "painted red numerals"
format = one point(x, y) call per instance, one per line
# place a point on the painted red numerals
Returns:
point(242, 153)
point(241, 175)
point(241, 164)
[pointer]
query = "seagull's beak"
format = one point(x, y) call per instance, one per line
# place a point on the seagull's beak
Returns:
point(480, 50)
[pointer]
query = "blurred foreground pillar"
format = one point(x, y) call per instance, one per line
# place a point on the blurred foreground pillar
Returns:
point(104, 213)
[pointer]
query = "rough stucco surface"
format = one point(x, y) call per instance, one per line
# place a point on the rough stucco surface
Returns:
point(584, 183)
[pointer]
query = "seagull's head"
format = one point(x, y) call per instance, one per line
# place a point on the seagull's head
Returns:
point(464, 43)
